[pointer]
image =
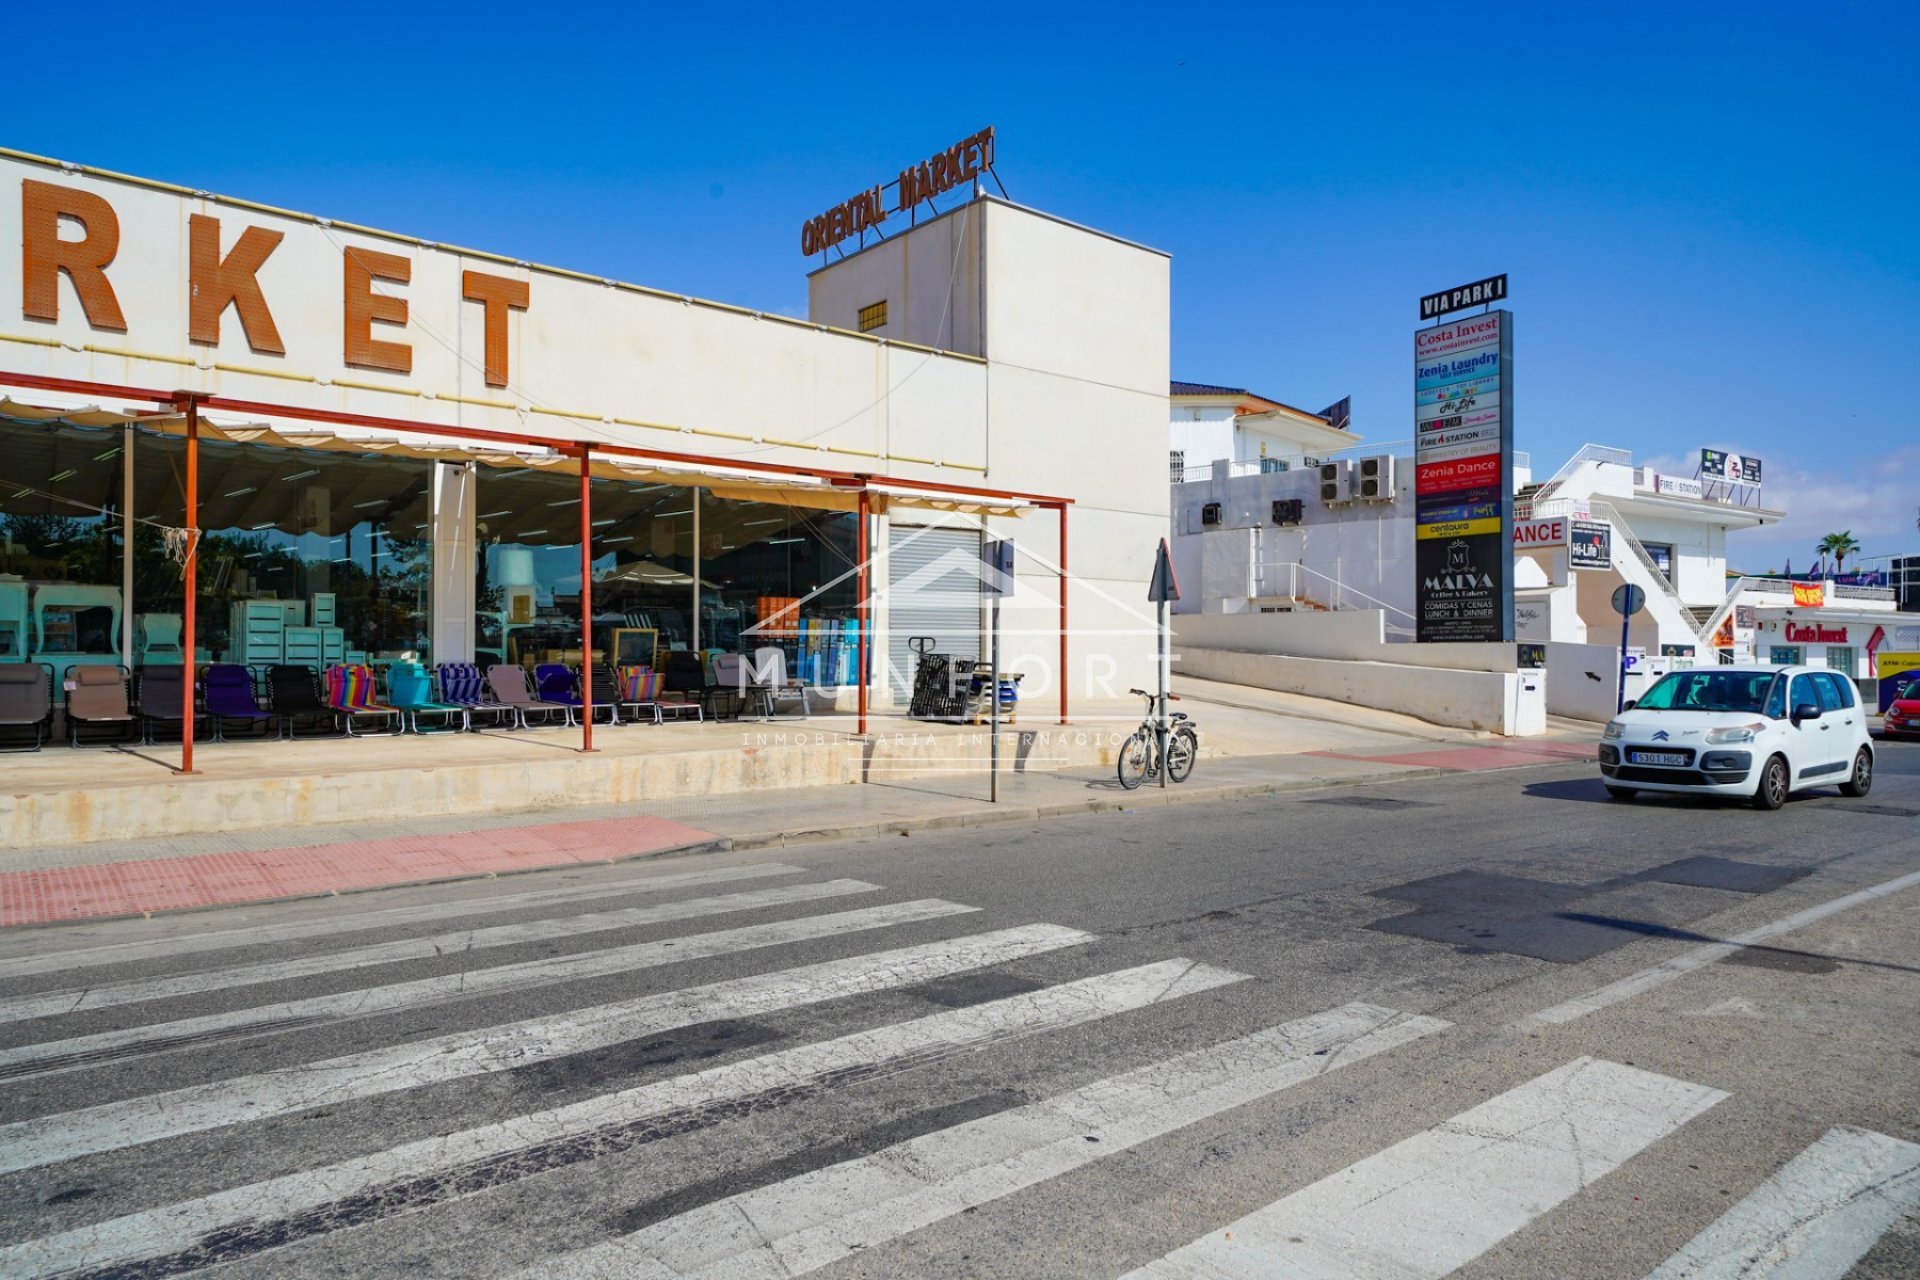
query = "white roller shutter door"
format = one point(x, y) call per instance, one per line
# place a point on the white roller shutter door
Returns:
point(933, 579)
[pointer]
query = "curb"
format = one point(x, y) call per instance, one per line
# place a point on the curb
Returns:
point(1145, 798)
point(1142, 799)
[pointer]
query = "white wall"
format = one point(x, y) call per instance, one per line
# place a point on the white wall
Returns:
point(1358, 634)
point(1583, 681)
point(1464, 699)
point(930, 280)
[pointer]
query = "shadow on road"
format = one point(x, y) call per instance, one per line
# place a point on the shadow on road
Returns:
point(1648, 929)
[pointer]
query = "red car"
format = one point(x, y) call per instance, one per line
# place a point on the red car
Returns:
point(1903, 713)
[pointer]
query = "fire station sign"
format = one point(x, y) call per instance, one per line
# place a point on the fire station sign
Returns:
point(1463, 467)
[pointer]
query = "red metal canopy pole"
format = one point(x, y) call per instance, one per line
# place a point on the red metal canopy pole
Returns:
point(190, 581)
point(586, 599)
point(1063, 613)
point(862, 614)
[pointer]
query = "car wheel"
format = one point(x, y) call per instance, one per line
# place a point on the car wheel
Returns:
point(1621, 793)
point(1860, 781)
point(1774, 782)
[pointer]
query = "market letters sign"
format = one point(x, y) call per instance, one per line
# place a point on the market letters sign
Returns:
point(1464, 536)
point(75, 233)
point(938, 174)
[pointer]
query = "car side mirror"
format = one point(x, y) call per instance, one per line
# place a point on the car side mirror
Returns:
point(1806, 711)
point(1631, 703)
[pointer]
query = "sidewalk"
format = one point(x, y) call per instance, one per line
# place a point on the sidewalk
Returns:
point(140, 877)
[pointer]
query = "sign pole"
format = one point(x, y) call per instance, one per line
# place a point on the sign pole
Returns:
point(1620, 697)
point(1160, 712)
point(993, 694)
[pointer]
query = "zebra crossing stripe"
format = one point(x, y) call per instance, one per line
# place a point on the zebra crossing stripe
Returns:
point(29, 1144)
point(82, 1052)
point(1426, 1206)
point(1700, 957)
point(1813, 1219)
point(818, 1218)
point(232, 1224)
point(54, 1003)
point(105, 953)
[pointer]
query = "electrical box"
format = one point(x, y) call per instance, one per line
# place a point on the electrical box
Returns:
point(1336, 482)
point(1373, 479)
point(1288, 510)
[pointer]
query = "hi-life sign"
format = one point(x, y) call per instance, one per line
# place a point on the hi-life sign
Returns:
point(1463, 467)
point(938, 174)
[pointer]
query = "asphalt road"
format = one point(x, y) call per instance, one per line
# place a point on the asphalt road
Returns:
point(1489, 1025)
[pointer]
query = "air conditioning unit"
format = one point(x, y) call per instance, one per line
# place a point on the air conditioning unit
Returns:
point(1336, 482)
point(1288, 510)
point(1373, 479)
point(1210, 513)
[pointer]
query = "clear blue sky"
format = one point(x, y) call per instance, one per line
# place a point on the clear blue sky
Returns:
point(1710, 213)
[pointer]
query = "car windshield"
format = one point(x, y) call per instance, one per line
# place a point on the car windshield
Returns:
point(1708, 691)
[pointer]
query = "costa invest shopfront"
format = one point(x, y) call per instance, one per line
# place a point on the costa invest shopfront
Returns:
point(235, 433)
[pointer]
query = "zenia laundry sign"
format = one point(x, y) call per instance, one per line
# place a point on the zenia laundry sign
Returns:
point(1463, 479)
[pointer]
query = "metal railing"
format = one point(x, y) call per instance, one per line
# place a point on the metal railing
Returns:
point(1272, 575)
point(1584, 454)
point(1848, 591)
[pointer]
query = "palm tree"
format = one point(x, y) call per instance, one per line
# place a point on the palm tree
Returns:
point(1839, 546)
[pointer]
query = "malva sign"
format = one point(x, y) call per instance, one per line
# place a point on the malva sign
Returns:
point(218, 280)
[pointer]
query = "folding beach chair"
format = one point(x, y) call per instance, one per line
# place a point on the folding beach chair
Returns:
point(226, 691)
point(350, 693)
point(410, 692)
point(509, 685)
point(638, 689)
point(98, 699)
point(26, 701)
point(159, 692)
point(297, 697)
point(556, 684)
point(462, 685)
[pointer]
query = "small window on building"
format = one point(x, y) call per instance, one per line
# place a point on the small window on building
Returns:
point(1270, 465)
point(873, 316)
point(1784, 655)
point(1843, 661)
point(1177, 466)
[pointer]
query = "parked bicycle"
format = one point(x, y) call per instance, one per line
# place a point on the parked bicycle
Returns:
point(1140, 755)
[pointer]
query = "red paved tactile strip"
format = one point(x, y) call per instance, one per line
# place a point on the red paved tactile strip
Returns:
point(216, 879)
point(1477, 757)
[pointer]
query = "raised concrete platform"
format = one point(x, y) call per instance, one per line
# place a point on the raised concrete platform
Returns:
point(64, 797)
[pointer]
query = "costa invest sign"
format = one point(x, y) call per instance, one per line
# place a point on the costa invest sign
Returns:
point(938, 174)
point(1478, 294)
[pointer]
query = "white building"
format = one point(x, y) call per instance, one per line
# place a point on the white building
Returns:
point(399, 441)
point(1209, 424)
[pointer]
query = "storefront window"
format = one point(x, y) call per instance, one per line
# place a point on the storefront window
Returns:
point(307, 557)
point(1842, 660)
point(1784, 655)
point(768, 573)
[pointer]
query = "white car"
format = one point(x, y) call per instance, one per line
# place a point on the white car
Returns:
point(1758, 733)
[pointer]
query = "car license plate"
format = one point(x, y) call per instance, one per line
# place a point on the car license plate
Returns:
point(1659, 757)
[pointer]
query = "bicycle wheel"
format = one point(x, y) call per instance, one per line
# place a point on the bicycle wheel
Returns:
point(1136, 759)
point(1183, 746)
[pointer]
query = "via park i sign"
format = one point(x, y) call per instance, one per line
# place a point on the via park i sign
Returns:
point(1463, 492)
